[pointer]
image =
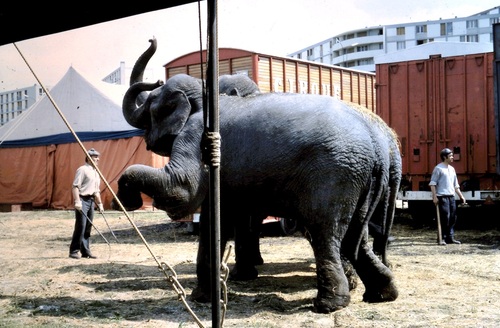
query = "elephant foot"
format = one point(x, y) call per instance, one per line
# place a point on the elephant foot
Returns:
point(199, 295)
point(331, 304)
point(243, 274)
point(388, 293)
point(258, 260)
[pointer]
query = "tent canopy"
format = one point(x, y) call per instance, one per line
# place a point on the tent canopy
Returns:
point(48, 17)
point(93, 110)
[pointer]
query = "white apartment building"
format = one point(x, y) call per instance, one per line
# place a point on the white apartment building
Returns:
point(358, 48)
point(121, 75)
point(15, 102)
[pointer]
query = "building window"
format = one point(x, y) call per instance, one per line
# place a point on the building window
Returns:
point(446, 29)
point(309, 52)
point(400, 31)
point(401, 45)
point(472, 23)
point(472, 38)
point(494, 20)
point(365, 62)
point(362, 48)
point(421, 29)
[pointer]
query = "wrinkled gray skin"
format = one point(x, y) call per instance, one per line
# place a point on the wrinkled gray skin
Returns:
point(237, 85)
point(306, 157)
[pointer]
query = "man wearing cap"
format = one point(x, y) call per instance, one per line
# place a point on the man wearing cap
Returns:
point(444, 185)
point(86, 194)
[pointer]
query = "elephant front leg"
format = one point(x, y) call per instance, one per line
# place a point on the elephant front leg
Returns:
point(247, 250)
point(203, 290)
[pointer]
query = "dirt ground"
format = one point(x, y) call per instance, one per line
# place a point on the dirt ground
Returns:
point(439, 286)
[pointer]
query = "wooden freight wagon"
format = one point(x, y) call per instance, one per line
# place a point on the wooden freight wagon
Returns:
point(436, 103)
point(282, 74)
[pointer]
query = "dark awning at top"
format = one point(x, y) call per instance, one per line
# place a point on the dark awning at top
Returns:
point(26, 20)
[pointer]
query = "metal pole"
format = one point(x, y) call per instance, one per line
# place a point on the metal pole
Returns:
point(214, 194)
point(108, 226)
point(92, 224)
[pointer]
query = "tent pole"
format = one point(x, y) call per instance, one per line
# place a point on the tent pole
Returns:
point(213, 127)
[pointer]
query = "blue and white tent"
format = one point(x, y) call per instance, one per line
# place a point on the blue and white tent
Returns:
point(93, 110)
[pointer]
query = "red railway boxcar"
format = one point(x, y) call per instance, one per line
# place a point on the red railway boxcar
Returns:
point(443, 102)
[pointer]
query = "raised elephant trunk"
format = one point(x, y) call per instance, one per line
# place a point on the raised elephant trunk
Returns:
point(138, 116)
point(137, 74)
point(136, 95)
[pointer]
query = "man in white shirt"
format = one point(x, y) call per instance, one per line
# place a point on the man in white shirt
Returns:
point(444, 185)
point(86, 194)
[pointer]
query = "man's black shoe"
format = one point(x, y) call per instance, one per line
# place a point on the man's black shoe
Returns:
point(453, 241)
point(89, 256)
point(442, 243)
point(74, 255)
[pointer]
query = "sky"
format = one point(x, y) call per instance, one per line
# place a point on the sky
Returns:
point(274, 27)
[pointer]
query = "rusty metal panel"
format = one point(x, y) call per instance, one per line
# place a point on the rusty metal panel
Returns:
point(437, 103)
point(496, 88)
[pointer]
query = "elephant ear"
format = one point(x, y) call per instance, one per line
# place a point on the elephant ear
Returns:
point(174, 113)
point(234, 92)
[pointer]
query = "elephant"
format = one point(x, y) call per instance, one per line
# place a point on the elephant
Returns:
point(239, 85)
point(311, 158)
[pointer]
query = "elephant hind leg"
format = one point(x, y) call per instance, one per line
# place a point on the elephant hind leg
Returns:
point(332, 283)
point(376, 277)
point(333, 288)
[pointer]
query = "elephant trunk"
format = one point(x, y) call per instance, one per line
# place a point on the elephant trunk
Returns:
point(162, 185)
point(137, 116)
point(137, 74)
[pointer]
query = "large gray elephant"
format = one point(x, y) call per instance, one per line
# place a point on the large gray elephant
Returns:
point(310, 158)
